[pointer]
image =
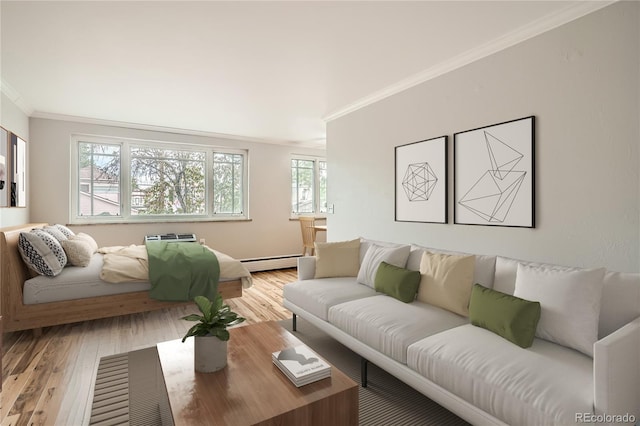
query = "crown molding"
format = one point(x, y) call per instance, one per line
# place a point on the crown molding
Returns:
point(172, 130)
point(537, 27)
point(15, 97)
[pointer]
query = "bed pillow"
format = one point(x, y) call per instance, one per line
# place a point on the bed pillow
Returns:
point(446, 281)
point(55, 233)
point(375, 255)
point(78, 251)
point(337, 259)
point(508, 316)
point(42, 253)
point(87, 239)
point(66, 231)
point(570, 301)
point(397, 282)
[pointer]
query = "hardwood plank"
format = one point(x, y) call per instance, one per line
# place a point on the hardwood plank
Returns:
point(48, 379)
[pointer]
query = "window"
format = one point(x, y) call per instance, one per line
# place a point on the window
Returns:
point(308, 186)
point(126, 180)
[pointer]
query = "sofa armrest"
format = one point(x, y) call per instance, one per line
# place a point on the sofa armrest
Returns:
point(306, 267)
point(616, 372)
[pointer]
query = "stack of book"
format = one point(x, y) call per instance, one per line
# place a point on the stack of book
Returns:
point(301, 365)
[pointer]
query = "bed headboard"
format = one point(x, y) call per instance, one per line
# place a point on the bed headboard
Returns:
point(14, 272)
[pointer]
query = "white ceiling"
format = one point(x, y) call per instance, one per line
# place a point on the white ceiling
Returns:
point(264, 70)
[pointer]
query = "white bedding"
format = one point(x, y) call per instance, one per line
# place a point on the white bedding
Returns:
point(77, 282)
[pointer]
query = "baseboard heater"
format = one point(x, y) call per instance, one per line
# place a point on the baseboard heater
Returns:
point(271, 263)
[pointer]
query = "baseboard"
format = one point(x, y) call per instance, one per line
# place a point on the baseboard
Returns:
point(271, 263)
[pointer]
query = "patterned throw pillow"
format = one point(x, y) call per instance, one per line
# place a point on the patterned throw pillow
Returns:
point(41, 252)
point(66, 231)
point(55, 233)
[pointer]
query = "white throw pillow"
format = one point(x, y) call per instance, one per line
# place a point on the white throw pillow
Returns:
point(570, 302)
point(396, 256)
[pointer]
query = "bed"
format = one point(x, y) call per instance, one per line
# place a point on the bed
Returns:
point(40, 310)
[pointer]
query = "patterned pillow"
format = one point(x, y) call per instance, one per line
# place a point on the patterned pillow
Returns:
point(55, 233)
point(66, 231)
point(41, 252)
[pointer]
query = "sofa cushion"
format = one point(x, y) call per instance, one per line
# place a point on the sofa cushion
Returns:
point(376, 254)
point(317, 296)
point(446, 281)
point(389, 325)
point(620, 301)
point(482, 273)
point(337, 259)
point(397, 282)
point(570, 301)
point(545, 384)
point(508, 316)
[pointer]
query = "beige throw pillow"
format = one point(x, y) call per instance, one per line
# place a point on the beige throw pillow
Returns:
point(339, 259)
point(87, 239)
point(78, 251)
point(447, 281)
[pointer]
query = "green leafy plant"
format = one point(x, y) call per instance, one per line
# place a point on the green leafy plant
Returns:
point(216, 317)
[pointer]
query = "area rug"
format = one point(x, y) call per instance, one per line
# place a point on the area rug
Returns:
point(129, 389)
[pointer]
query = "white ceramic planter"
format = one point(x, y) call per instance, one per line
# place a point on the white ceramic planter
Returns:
point(210, 354)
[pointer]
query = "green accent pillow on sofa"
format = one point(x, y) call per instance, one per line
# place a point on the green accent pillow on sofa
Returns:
point(511, 317)
point(397, 282)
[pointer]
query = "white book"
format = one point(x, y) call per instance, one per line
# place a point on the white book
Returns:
point(305, 380)
point(301, 364)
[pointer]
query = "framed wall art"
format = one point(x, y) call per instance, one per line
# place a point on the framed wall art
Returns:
point(494, 175)
point(421, 181)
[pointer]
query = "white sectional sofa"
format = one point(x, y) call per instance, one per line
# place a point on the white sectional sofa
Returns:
point(477, 374)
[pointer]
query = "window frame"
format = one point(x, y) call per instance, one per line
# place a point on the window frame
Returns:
point(125, 186)
point(317, 207)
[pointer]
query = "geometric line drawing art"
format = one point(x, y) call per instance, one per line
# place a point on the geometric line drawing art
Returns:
point(503, 157)
point(491, 197)
point(419, 181)
point(494, 174)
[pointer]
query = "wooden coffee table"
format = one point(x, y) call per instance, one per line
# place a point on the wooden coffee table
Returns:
point(251, 390)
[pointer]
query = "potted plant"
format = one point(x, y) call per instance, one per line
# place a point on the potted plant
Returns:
point(211, 334)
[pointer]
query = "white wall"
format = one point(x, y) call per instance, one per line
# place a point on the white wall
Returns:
point(268, 233)
point(16, 121)
point(580, 81)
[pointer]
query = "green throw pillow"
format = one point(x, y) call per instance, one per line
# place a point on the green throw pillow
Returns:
point(397, 282)
point(508, 316)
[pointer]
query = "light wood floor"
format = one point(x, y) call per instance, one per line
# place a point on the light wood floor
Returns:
point(48, 380)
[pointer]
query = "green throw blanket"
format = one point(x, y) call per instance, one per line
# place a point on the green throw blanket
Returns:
point(178, 272)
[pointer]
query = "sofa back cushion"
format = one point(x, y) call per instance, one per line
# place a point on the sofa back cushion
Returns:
point(484, 267)
point(620, 301)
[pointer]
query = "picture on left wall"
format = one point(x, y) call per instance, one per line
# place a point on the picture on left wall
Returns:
point(421, 181)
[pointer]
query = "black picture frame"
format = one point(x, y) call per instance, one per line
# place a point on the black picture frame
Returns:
point(421, 181)
point(494, 174)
